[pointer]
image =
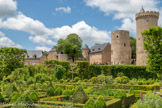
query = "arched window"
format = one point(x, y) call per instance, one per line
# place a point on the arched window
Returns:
point(117, 36)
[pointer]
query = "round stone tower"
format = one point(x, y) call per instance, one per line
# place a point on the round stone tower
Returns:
point(120, 47)
point(85, 52)
point(144, 20)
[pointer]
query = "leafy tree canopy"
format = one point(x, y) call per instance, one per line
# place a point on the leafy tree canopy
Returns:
point(71, 45)
point(11, 58)
point(133, 46)
point(152, 41)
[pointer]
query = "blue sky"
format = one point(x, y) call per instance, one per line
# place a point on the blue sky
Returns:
point(38, 24)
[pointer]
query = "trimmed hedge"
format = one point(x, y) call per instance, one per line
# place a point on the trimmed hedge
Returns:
point(131, 71)
point(114, 103)
point(83, 69)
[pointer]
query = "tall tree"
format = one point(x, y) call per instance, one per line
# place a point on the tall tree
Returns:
point(152, 41)
point(11, 58)
point(71, 45)
point(133, 47)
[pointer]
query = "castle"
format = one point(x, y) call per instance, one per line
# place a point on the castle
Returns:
point(118, 52)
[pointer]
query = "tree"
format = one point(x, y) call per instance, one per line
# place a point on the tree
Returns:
point(152, 41)
point(133, 47)
point(71, 45)
point(59, 71)
point(11, 58)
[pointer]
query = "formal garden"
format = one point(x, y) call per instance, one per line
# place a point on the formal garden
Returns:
point(59, 84)
point(81, 85)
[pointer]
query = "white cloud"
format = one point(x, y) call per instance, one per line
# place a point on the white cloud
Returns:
point(128, 24)
point(124, 10)
point(24, 23)
point(41, 40)
point(6, 42)
point(2, 34)
point(89, 34)
point(43, 48)
point(7, 8)
point(64, 9)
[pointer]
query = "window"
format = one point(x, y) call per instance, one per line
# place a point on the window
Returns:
point(93, 49)
point(98, 48)
point(117, 36)
point(124, 44)
point(147, 20)
point(139, 39)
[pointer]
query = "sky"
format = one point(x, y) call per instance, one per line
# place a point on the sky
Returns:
point(39, 24)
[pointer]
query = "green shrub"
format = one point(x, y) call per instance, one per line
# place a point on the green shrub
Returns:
point(131, 91)
point(90, 103)
point(61, 80)
point(100, 79)
point(85, 80)
point(14, 97)
point(93, 80)
point(30, 81)
point(150, 100)
point(100, 102)
point(66, 92)
point(50, 92)
point(76, 79)
point(9, 90)
point(58, 91)
point(83, 69)
point(34, 97)
point(122, 80)
point(109, 79)
point(59, 71)
point(120, 94)
point(125, 79)
point(1, 98)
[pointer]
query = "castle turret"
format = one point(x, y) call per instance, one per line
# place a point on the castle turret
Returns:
point(120, 47)
point(144, 20)
point(85, 52)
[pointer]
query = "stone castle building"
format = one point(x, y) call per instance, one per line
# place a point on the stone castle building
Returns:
point(98, 53)
point(120, 47)
point(144, 20)
point(35, 57)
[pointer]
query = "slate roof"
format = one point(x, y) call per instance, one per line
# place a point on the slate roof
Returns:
point(98, 47)
point(35, 54)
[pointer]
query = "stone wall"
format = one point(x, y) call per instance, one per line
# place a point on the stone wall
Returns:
point(52, 55)
point(63, 57)
point(85, 53)
point(144, 20)
point(106, 54)
point(95, 58)
point(120, 47)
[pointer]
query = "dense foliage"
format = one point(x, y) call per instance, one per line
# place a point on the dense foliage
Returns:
point(152, 41)
point(10, 59)
point(133, 47)
point(71, 45)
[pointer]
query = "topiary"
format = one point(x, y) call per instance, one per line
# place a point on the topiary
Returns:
point(66, 92)
point(118, 80)
point(90, 103)
point(50, 91)
point(61, 80)
point(100, 102)
point(58, 91)
point(125, 79)
point(1, 98)
point(131, 91)
point(120, 94)
point(93, 80)
point(76, 79)
point(101, 79)
point(109, 79)
point(34, 97)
